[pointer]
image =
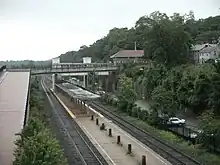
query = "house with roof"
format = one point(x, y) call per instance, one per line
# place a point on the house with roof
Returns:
point(127, 56)
point(56, 60)
point(210, 52)
point(196, 49)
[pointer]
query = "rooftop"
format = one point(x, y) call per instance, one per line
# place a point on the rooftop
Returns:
point(199, 47)
point(13, 98)
point(80, 93)
point(208, 49)
point(128, 53)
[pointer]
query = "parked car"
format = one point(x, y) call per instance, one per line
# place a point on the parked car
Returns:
point(100, 92)
point(176, 121)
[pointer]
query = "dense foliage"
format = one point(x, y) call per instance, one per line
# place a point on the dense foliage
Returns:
point(37, 145)
point(170, 81)
point(172, 91)
point(182, 88)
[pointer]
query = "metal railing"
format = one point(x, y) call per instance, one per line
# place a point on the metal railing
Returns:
point(67, 68)
point(82, 65)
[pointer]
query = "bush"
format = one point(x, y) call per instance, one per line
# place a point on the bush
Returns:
point(114, 102)
point(153, 118)
point(144, 115)
point(134, 111)
point(139, 112)
point(122, 106)
point(38, 147)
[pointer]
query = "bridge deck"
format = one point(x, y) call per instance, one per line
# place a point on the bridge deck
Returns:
point(73, 70)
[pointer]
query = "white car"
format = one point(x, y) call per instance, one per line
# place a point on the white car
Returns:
point(175, 120)
point(100, 92)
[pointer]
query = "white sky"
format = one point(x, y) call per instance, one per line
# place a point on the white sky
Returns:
point(43, 29)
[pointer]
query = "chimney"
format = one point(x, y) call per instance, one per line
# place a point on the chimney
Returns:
point(135, 46)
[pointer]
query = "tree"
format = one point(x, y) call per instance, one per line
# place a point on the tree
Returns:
point(167, 42)
point(164, 100)
point(210, 126)
point(126, 93)
point(214, 95)
point(152, 77)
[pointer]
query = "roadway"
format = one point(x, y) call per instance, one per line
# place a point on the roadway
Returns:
point(191, 123)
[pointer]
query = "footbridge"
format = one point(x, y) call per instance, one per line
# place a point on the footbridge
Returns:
point(75, 68)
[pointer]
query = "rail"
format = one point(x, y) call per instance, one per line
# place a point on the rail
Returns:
point(80, 149)
point(171, 154)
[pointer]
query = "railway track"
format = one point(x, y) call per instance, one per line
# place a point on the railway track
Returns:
point(78, 148)
point(171, 154)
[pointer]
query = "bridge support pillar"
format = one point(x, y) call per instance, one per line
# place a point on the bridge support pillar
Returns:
point(111, 82)
point(85, 81)
point(53, 82)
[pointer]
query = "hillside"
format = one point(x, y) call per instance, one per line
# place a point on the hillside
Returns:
point(200, 31)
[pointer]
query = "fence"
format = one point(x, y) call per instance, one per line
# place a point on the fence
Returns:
point(193, 136)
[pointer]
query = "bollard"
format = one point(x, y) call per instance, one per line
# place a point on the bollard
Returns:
point(81, 105)
point(143, 161)
point(84, 105)
point(97, 121)
point(92, 117)
point(110, 132)
point(118, 139)
point(102, 126)
point(129, 148)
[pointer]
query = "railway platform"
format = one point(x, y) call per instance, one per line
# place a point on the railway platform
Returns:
point(120, 148)
point(117, 145)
